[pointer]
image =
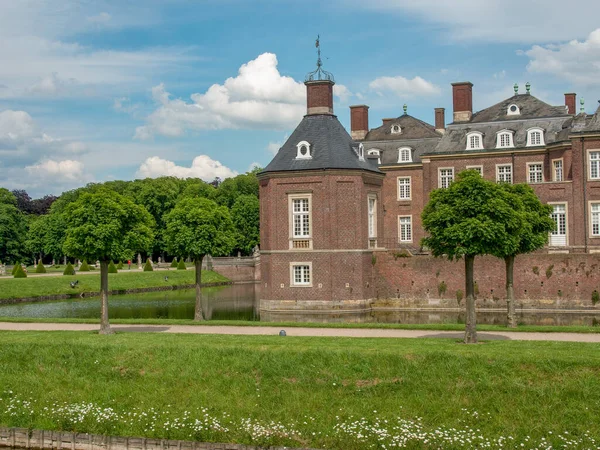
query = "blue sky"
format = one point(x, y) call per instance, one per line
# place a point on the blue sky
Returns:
point(103, 89)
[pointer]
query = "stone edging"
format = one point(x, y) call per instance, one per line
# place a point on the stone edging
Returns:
point(60, 440)
point(41, 298)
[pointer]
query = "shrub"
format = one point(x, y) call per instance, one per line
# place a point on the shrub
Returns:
point(148, 266)
point(120, 265)
point(19, 272)
point(181, 265)
point(442, 287)
point(69, 270)
point(595, 297)
point(174, 263)
point(84, 266)
point(459, 296)
point(40, 267)
point(14, 269)
point(112, 268)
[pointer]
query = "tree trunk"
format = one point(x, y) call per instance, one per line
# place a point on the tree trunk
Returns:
point(198, 315)
point(510, 292)
point(104, 325)
point(65, 260)
point(471, 319)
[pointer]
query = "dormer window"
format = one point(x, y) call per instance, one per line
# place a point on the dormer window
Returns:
point(396, 129)
point(504, 139)
point(474, 141)
point(513, 110)
point(303, 151)
point(375, 152)
point(404, 155)
point(535, 137)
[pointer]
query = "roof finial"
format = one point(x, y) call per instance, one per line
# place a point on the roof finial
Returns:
point(528, 87)
point(582, 102)
point(405, 108)
point(516, 88)
point(319, 74)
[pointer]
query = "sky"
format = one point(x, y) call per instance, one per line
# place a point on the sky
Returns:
point(97, 90)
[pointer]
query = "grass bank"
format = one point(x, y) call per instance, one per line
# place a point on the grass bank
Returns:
point(332, 393)
point(33, 287)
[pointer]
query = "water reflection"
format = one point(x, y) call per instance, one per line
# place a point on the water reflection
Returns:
point(240, 302)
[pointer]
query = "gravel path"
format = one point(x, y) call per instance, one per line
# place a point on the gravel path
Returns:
point(327, 332)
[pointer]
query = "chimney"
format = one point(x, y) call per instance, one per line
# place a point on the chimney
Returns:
point(570, 102)
point(387, 121)
point(462, 101)
point(359, 122)
point(440, 120)
point(319, 97)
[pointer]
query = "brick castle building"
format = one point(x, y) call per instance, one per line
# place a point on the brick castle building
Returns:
point(341, 213)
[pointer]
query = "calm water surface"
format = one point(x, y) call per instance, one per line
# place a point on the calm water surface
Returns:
point(240, 302)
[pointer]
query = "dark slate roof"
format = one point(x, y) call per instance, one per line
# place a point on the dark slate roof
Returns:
point(594, 122)
point(530, 108)
point(389, 149)
point(455, 140)
point(412, 128)
point(331, 147)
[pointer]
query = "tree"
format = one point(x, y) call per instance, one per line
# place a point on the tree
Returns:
point(245, 214)
point(198, 227)
point(54, 237)
point(23, 200)
point(536, 224)
point(230, 189)
point(36, 235)
point(106, 226)
point(471, 217)
point(13, 228)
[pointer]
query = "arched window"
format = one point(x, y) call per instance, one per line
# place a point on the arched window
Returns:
point(504, 139)
point(396, 129)
point(303, 150)
point(474, 141)
point(404, 155)
point(361, 152)
point(513, 110)
point(535, 136)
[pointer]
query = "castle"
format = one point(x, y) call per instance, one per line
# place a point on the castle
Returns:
point(338, 210)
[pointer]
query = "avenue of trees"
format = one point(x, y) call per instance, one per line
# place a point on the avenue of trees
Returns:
point(34, 229)
point(474, 217)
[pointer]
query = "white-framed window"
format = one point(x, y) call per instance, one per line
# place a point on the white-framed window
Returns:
point(404, 154)
point(513, 110)
point(477, 168)
point(396, 129)
point(372, 211)
point(404, 191)
point(445, 177)
point(504, 139)
point(557, 170)
point(300, 207)
point(594, 159)
point(474, 141)
point(405, 228)
point(595, 219)
point(361, 152)
point(375, 152)
point(558, 237)
point(535, 137)
point(303, 150)
point(504, 173)
point(301, 274)
point(535, 172)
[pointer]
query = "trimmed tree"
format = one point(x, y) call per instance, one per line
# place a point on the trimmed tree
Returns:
point(174, 263)
point(106, 226)
point(537, 223)
point(40, 267)
point(84, 266)
point(112, 268)
point(148, 266)
point(198, 227)
point(19, 272)
point(69, 270)
point(181, 265)
point(471, 217)
point(245, 214)
point(120, 265)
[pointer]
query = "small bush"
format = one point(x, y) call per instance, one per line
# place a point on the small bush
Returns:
point(475, 289)
point(40, 267)
point(442, 287)
point(148, 266)
point(536, 270)
point(401, 254)
point(174, 263)
point(181, 265)
point(84, 266)
point(19, 272)
point(112, 268)
point(15, 267)
point(120, 265)
point(459, 296)
point(595, 297)
point(69, 270)
point(549, 271)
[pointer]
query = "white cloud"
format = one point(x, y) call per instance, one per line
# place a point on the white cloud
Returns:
point(100, 19)
point(403, 87)
point(575, 61)
point(342, 92)
point(51, 85)
point(16, 126)
point(68, 170)
point(273, 147)
point(202, 167)
point(258, 97)
point(499, 20)
point(253, 166)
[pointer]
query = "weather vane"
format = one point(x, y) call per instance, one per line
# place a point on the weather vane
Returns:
point(319, 74)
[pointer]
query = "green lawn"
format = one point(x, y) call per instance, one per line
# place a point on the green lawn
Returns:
point(334, 393)
point(54, 285)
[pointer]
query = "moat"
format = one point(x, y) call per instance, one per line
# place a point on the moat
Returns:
point(240, 302)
